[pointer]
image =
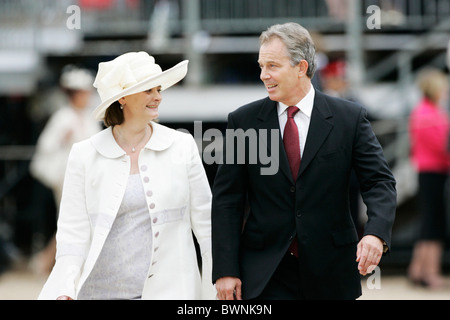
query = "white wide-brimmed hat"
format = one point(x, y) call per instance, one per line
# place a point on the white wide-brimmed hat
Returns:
point(131, 73)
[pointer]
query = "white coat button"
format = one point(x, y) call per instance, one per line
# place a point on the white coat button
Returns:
point(157, 234)
point(155, 220)
point(152, 206)
point(149, 193)
point(146, 179)
point(144, 168)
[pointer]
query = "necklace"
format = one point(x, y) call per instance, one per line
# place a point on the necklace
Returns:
point(133, 148)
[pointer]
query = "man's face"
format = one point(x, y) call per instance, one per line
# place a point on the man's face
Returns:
point(280, 78)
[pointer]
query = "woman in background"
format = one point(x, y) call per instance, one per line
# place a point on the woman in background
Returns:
point(71, 123)
point(429, 131)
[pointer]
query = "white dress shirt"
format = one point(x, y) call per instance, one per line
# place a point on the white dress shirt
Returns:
point(301, 118)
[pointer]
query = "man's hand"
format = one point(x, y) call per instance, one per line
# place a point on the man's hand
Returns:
point(368, 253)
point(228, 288)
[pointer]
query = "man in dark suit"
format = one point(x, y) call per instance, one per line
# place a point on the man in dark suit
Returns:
point(289, 234)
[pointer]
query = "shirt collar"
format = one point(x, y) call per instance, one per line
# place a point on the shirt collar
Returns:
point(305, 105)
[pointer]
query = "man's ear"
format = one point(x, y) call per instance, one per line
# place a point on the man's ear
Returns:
point(303, 68)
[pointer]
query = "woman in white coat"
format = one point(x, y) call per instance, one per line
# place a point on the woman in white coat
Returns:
point(133, 194)
point(69, 124)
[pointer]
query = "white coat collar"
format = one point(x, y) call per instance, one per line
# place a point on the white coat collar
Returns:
point(104, 142)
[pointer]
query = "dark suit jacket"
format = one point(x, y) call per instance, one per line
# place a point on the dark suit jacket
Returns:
point(315, 208)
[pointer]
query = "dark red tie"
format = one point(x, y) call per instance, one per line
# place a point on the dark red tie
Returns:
point(291, 143)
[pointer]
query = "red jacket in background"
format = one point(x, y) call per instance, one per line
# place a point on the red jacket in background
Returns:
point(429, 129)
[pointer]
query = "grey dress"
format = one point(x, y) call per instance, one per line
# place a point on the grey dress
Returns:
point(123, 263)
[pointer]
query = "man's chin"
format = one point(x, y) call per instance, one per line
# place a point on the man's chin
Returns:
point(273, 97)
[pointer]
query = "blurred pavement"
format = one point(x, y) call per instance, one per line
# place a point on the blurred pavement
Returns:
point(22, 284)
point(397, 287)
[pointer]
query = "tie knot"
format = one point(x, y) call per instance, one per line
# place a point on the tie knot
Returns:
point(291, 111)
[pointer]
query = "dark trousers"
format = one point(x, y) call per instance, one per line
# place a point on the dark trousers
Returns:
point(432, 203)
point(285, 282)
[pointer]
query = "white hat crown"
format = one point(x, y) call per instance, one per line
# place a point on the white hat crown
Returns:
point(131, 73)
point(124, 72)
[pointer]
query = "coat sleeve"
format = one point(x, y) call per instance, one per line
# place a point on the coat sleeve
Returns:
point(73, 233)
point(200, 202)
point(376, 181)
point(228, 207)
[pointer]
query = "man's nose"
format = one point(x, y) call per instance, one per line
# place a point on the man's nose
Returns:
point(264, 75)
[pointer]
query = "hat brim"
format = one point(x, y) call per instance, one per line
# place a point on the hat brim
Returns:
point(166, 79)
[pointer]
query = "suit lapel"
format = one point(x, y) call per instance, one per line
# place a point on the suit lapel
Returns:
point(319, 129)
point(268, 118)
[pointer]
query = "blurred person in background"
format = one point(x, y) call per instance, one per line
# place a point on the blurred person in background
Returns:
point(71, 123)
point(334, 80)
point(429, 132)
point(133, 196)
point(448, 146)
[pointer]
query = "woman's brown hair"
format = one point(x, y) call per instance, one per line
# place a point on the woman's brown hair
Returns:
point(113, 115)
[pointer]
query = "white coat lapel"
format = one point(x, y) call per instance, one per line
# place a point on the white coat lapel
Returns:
point(106, 145)
point(161, 139)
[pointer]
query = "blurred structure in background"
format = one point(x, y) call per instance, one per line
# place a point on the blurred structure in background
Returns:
point(383, 42)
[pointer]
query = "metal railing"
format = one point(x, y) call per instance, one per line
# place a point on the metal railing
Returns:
point(220, 16)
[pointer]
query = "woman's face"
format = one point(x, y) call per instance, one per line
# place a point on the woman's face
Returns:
point(142, 104)
point(80, 98)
